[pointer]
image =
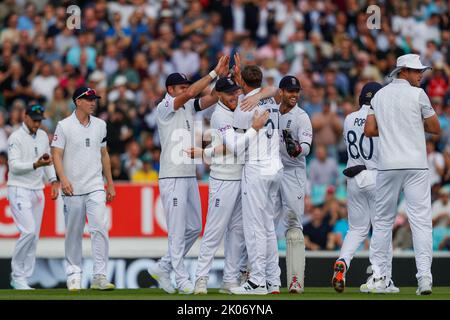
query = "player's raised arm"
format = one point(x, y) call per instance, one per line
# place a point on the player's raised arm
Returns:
point(197, 87)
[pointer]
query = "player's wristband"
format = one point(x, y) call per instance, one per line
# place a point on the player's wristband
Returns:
point(213, 74)
point(370, 112)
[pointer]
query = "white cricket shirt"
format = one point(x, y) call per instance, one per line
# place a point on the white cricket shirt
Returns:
point(361, 150)
point(400, 109)
point(298, 123)
point(263, 149)
point(82, 145)
point(175, 130)
point(23, 150)
point(228, 167)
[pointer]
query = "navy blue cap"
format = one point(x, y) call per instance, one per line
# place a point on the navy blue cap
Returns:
point(367, 92)
point(85, 93)
point(35, 111)
point(226, 85)
point(177, 78)
point(290, 83)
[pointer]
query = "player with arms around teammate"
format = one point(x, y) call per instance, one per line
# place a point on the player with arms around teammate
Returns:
point(297, 135)
point(400, 114)
point(361, 173)
point(225, 207)
point(177, 176)
point(259, 187)
point(81, 156)
point(28, 160)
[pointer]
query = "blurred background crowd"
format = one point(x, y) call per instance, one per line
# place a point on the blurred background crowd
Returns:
point(126, 48)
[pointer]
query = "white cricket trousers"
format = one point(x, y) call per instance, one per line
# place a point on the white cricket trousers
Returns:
point(417, 191)
point(181, 202)
point(290, 203)
point(27, 207)
point(224, 218)
point(361, 213)
point(259, 194)
point(76, 208)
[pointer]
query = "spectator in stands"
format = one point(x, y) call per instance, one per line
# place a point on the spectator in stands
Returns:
point(323, 170)
point(440, 210)
point(436, 165)
point(317, 230)
point(146, 173)
point(117, 169)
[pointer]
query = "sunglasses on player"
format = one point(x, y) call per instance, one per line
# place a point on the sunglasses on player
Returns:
point(87, 93)
point(37, 108)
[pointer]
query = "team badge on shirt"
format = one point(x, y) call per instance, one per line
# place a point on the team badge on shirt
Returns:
point(88, 142)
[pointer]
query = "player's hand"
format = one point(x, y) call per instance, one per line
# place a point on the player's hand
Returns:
point(44, 160)
point(237, 76)
point(194, 152)
point(249, 103)
point(259, 120)
point(110, 192)
point(54, 190)
point(222, 66)
point(66, 187)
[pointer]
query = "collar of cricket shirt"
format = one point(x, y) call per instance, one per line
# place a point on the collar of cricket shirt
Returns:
point(221, 104)
point(253, 92)
point(24, 126)
point(400, 81)
point(79, 122)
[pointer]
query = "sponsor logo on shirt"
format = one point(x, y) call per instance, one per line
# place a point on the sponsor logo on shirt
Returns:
point(223, 129)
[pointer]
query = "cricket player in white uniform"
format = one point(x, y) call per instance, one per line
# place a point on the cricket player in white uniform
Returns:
point(361, 176)
point(225, 207)
point(400, 114)
point(260, 183)
point(80, 156)
point(297, 134)
point(177, 176)
point(28, 160)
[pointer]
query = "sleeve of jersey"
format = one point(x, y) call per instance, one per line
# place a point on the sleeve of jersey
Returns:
point(103, 135)
point(241, 119)
point(237, 142)
point(165, 108)
point(425, 105)
point(305, 134)
point(193, 105)
point(59, 139)
point(16, 165)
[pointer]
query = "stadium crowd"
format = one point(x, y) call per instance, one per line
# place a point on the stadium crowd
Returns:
point(125, 50)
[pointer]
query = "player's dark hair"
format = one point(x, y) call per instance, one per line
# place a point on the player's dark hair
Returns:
point(252, 76)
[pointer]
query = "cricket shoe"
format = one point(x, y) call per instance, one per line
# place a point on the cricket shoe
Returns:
point(338, 281)
point(374, 285)
point(249, 288)
point(99, 282)
point(226, 286)
point(424, 288)
point(20, 284)
point(390, 287)
point(162, 277)
point(201, 285)
point(295, 286)
point(187, 288)
point(74, 282)
point(273, 288)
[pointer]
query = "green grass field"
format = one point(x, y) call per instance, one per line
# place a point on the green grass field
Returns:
point(439, 293)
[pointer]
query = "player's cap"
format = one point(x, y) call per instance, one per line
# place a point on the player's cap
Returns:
point(226, 85)
point(410, 61)
point(290, 83)
point(367, 92)
point(35, 111)
point(177, 78)
point(85, 93)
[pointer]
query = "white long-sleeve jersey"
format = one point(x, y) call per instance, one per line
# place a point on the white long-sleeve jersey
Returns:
point(23, 150)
